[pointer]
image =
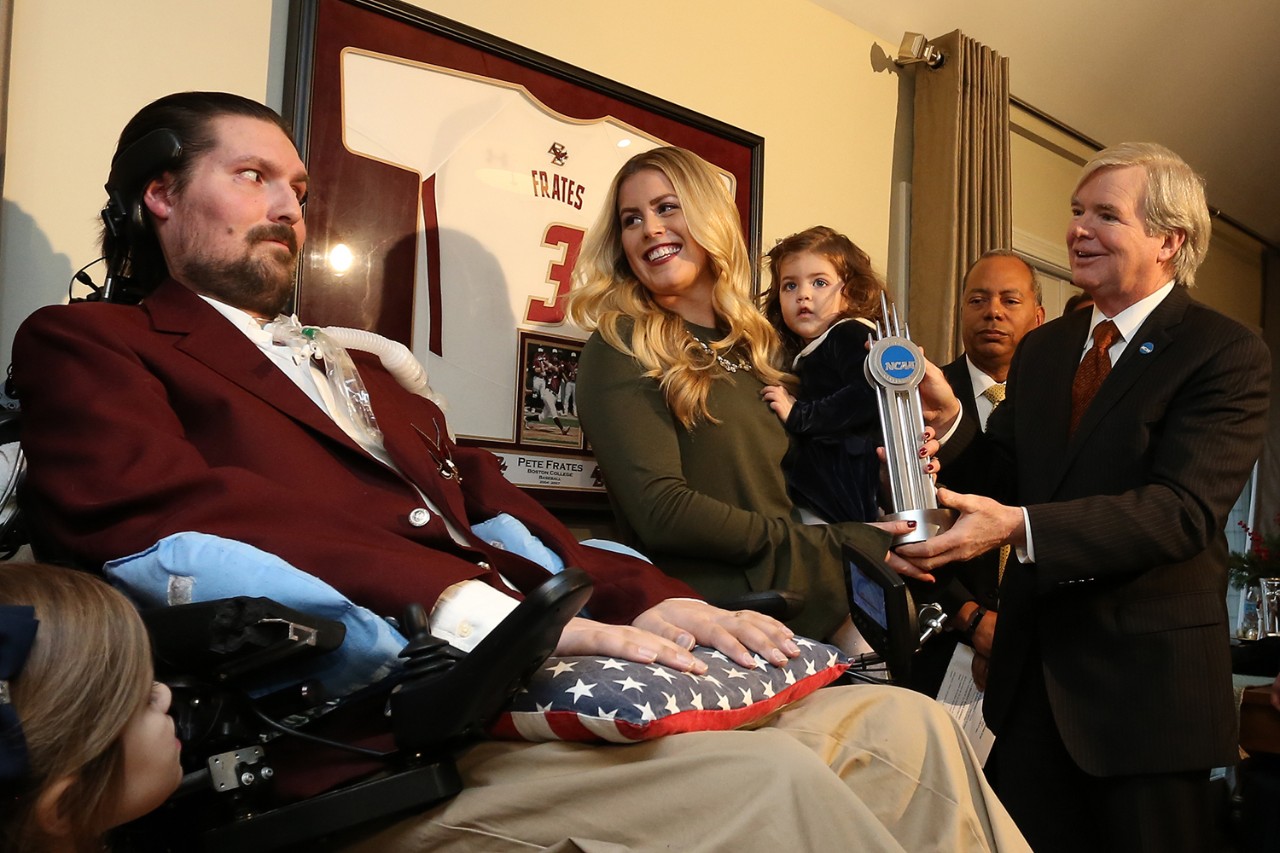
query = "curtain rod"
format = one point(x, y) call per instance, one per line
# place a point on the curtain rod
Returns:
point(1215, 212)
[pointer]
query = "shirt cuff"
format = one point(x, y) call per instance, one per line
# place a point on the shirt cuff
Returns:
point(1026, 553)
point(942, 439)
point(467, 611)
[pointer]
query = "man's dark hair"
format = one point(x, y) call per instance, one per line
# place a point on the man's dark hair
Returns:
point(136, 252)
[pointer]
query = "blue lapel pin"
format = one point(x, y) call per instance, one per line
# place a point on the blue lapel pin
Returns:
point(1147, 348)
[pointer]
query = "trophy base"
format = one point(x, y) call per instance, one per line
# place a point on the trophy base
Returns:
point(929, 523)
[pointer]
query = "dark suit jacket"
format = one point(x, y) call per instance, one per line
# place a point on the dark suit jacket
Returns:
point(143, 421)
point(1124, 608)
point(972, 580)
point(976, 579)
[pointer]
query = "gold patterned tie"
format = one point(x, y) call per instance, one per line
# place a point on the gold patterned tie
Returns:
point(1093, 369)
point(995, 393)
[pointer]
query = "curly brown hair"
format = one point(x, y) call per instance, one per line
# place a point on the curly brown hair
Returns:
point(862, 287)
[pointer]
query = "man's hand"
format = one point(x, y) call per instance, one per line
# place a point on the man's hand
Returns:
point(779, 399)
point(983, 524)
point(736, 633)
point(588, 637)
point(939, 403)
point(666, 632)
point(984, 634)
point(979, 670)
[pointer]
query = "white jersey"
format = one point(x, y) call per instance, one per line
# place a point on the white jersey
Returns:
point(511, 187)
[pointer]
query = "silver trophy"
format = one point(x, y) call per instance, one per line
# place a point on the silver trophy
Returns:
point(895, 367)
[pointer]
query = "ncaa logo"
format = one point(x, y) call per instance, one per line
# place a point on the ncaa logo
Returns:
point(898, 361)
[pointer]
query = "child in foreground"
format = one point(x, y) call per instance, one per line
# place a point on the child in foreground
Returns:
point(86, 742)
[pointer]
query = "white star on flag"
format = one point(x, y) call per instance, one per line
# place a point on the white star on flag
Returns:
point(801, 641)
point(716, 655)
point(735, 673)
point(673, 704)
point(760, 662)
point(579, 690)
point(768, 690)
point(611, 664)
point(747, 698)
point(662, 672)
point(561, 667)
point(790, 677)
point(810, 668)
point(646, 713)
point(629, 683)
point(712, 679)
point(696, 702)
point(723, 702)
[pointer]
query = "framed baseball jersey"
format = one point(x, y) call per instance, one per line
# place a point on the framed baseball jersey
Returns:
point(457, 175)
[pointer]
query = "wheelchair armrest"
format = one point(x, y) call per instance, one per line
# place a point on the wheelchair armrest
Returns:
point(457, 700)
point(781, 604)
point(234, 640)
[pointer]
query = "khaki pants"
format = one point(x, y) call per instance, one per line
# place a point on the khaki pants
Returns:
point(848, 768)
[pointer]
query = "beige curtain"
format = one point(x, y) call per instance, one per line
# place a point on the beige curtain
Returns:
point(960, 204)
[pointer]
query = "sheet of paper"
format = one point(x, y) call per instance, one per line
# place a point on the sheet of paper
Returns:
point(962, 698)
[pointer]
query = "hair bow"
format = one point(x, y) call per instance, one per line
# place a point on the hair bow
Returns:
point(18, 625)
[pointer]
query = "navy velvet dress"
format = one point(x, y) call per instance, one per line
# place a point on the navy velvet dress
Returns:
point(831, 466)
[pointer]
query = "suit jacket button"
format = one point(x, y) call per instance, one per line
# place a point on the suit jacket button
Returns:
point(419, 517)
point(484, 565)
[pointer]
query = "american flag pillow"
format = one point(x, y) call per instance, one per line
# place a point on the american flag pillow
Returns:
point(594, 698)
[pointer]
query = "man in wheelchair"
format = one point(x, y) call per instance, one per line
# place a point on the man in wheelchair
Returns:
point(203, 409)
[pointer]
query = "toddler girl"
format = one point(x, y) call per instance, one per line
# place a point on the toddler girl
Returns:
point(86, 743)
point(824, 299)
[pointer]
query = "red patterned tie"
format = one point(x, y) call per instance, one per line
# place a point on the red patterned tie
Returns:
point(1092, 371)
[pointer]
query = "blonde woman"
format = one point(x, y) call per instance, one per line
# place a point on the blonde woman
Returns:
point(669, 392)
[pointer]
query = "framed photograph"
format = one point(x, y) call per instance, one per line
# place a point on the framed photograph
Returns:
point(454, 176)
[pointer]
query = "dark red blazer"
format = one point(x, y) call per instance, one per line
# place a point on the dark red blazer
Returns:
point(143, 421)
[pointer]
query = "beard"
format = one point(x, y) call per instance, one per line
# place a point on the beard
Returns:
point(257, 284)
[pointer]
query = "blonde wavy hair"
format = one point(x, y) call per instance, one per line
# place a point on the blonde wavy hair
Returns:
point(607, 293)
point(1173, 199)
point(88, 673)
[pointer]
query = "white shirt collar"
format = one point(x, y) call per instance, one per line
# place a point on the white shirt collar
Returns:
point(242, 320)
point(817, 342)
point(1130, 319)
point(980, 381)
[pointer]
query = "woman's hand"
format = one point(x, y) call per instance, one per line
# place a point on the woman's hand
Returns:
point(779, 399)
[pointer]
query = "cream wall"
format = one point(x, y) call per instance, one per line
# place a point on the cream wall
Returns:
point(788, 70)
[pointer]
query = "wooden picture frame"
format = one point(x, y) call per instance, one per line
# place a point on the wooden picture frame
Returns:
point(454, 174)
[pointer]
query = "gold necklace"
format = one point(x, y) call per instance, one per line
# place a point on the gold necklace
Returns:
point(732, 367)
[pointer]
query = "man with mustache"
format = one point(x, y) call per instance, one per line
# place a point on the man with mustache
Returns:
point(184, 413)
point(1001, 302)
